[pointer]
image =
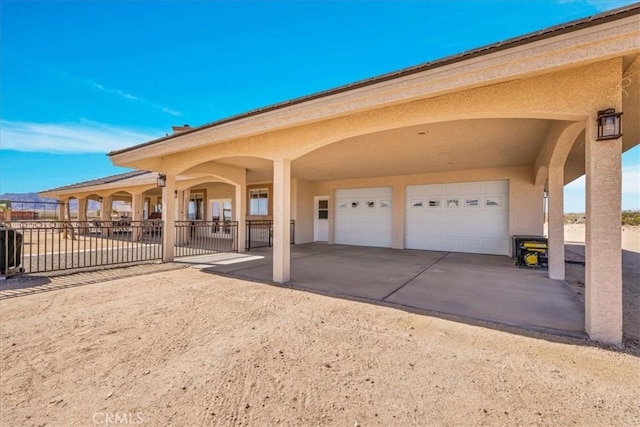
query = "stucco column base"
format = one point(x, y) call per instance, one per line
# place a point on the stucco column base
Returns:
point(603, 261)
point(281, 220)
point(556, 223)
point(168, 218)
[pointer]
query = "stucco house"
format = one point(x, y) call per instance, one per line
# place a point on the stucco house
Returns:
point(452, 155)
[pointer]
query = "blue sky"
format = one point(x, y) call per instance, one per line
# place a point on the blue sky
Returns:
point(79, 79)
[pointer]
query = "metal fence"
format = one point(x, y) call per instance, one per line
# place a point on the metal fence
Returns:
point(205, 237)
point(16, 210)
point(260, 233)
point(45, 246)
point(42, 246)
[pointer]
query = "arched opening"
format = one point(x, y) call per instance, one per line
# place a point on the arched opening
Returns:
point(205, 217)
point(455, 180)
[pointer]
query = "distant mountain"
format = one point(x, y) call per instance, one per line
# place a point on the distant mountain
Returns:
point(25, 197)
point(31, 201)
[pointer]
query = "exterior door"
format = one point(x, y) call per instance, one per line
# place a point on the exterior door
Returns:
point(321, 224)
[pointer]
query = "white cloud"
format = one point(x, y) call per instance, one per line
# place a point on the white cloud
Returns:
point(132, 97)
point(80, 137)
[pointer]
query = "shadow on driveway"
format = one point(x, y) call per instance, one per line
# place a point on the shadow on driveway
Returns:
point(467, 287)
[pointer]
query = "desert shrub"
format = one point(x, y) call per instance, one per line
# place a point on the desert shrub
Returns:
point(574, 218)
point(630, 217)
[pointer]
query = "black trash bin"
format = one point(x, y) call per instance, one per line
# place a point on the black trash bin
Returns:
point(10, 249)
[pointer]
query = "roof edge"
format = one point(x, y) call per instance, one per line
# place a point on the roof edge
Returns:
point(567, 27)
point(97, 181)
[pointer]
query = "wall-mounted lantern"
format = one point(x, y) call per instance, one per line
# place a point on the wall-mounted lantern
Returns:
point(609, 124)
point(162, 180)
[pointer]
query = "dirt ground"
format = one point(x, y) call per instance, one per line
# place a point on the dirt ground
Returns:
point(189, 348)
point(53, 241)
point(575, 275)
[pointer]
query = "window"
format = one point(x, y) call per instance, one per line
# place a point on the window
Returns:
point(323, 209)
point(258, 201)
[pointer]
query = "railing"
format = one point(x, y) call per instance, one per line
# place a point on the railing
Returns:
point(42, 246)
point(204, 237)
point(260, 233)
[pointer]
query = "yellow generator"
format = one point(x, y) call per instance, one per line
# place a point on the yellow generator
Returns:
point(531, 251)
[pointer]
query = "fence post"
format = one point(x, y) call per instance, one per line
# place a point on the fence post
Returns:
point(248, 228)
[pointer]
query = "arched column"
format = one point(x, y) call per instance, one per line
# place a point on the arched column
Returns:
point(603, 260)
point(61, 209)
point(281, 220)
point(168, 218)
point(240, 213)
point(106, 205)
point(137, 208)
point(553, 156)
point(555, 190)
point(82, 215)
point(182, 214)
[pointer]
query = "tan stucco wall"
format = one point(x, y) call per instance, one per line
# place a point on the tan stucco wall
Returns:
point(303, 210)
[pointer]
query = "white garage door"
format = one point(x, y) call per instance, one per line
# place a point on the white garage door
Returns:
point(363, 217)
point(468, 217)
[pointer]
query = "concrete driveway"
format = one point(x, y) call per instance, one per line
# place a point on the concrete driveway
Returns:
point(468, 286)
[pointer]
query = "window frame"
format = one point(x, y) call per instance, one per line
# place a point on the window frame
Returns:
point(258, 192)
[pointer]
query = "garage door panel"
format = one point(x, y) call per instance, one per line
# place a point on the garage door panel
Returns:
point(463, 217)
point(368, 224)
point(473, 188)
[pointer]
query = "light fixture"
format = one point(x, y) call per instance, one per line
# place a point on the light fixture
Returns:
point(100, 199)
point(162, 180)
point(609, 124)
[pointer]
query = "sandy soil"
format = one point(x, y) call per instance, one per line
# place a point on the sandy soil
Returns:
point(575, 233)
point(575, 275)
point(189, 348)
point(47, 241)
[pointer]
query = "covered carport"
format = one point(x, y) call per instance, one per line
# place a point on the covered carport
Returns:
point(520, 117)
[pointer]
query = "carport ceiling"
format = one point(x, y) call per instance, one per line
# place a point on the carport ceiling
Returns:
point(439, 147)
